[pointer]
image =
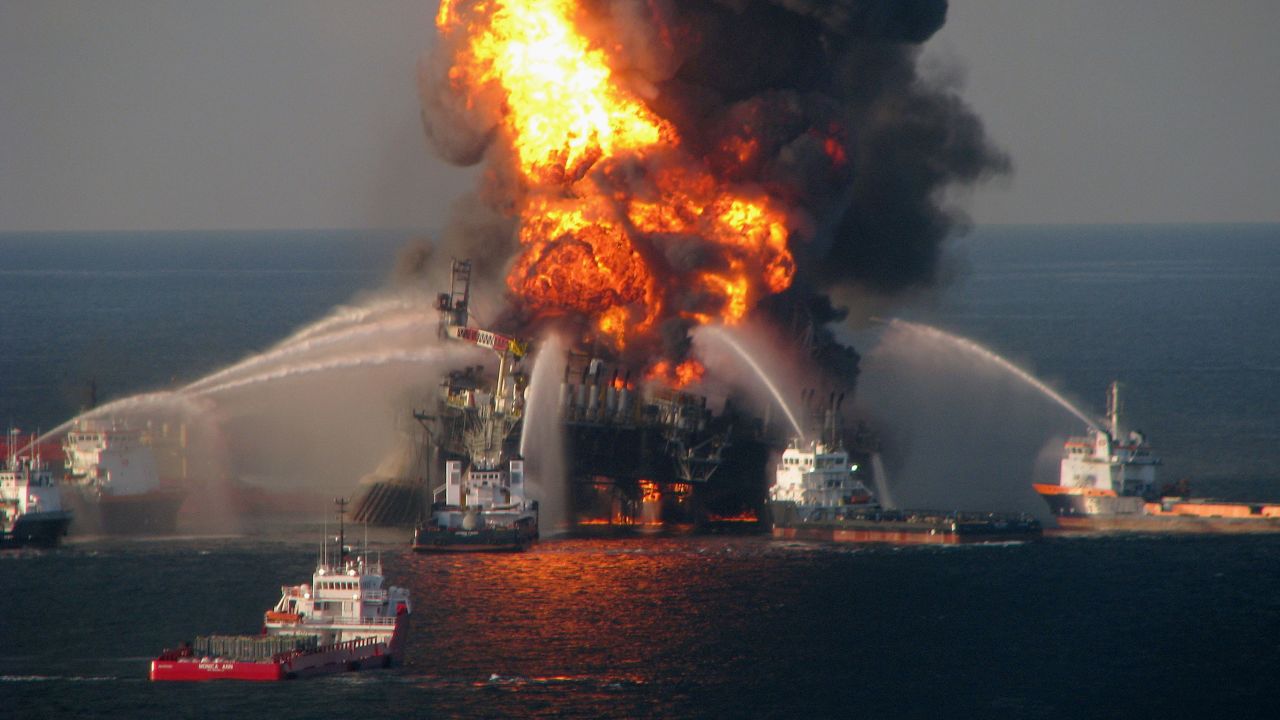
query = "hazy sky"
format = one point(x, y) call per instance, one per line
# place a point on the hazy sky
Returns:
point(143, 114)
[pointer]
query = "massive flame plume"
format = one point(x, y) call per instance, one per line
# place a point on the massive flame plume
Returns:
point(609, 200)
point(655, 165)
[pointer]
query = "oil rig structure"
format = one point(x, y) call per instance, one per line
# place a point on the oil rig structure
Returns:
point(637, 454)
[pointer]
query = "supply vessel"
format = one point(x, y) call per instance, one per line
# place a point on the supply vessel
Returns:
point(113, 484)
point(483, 504)
point(31, 512)
point(1107, 482)
point(819, 494)
point(343, 620)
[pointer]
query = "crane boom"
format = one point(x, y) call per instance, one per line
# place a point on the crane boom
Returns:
point(497, 342)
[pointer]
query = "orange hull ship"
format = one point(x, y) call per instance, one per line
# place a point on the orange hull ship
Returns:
point(1107, 484)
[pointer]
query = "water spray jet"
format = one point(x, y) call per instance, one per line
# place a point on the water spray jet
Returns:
point(721, 333)
point(982, 352)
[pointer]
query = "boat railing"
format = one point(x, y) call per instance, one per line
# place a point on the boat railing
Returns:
point(349, 645)
point(348, 620)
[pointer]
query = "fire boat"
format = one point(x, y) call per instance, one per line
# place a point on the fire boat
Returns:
point(482, 505)
point(343, 620)
point(1107, 483)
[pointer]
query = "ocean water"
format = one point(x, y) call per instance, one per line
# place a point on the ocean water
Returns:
point(697, 627)
point(1184, 316)
point(135, 312)
point(686, 626)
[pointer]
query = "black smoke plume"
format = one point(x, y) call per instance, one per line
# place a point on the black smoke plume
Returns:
point(850, 135)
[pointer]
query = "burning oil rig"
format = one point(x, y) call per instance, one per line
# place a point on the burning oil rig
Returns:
point(636, 453)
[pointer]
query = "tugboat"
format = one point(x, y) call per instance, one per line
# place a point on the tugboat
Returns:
point(1107, 482)
point(343, 620)
point(30, 503)
point(818, 494)
point(495, 516)
point(114, 483)
point(482, 505)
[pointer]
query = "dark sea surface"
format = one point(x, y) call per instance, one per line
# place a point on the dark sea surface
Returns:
point(690, 626)
point(1186, 317)
point(134, 312)
point(1141, 626)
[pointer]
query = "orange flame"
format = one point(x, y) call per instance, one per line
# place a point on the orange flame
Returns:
point(589, 245)
point(561, 105)
point(677, 375)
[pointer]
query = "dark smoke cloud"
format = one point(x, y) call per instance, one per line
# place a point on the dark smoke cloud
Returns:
point(800, 75)
point(847, 132)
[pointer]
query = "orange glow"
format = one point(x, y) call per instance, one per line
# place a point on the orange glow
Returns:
point(744, 517)
point(562, 108)
point(744, 149)
point(835, 151)
point(444, 16)
point(649, 491)
point(595, 220)
point(677, 376)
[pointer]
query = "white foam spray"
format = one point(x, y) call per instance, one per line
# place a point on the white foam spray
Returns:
point(724, 336)
point(991, 357)
point(386, 332)
point(542, 442)
point(428, 356)
point(881, 480)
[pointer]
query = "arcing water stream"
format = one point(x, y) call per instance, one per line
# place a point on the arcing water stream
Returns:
point(723, 335)
point(382, 332)
point(881, 480)
point(542, 442)
point(991, 357)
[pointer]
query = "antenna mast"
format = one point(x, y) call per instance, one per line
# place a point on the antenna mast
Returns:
point(342, 538)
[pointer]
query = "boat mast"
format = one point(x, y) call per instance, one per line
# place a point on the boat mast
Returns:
point(1114, 410)
point(342, 540)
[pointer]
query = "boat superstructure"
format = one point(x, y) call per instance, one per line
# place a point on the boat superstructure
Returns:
point(345, 618)
point(114, 482)
point(817, 474)
point(1107, 481)
point(31, 511)
point(1109, 469)
point(819, 494)
point(483, 503)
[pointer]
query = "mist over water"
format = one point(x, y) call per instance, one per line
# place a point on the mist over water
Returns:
point(315, 411)
point(959, 428)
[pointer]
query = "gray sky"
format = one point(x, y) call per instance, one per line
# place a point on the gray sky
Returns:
point(143, 114)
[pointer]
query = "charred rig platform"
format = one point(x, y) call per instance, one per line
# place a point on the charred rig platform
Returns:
point(637, 453)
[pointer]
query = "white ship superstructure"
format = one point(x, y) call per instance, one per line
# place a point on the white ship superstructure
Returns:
point(1113, 459)
point(110, 459)
point(31, 511)
point(345, 601)
point(815, 474)
point(115, 482)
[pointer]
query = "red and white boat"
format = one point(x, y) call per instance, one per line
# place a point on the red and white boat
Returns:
point(343, 620)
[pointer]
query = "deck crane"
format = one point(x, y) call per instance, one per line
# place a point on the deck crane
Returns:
point(489, 417)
